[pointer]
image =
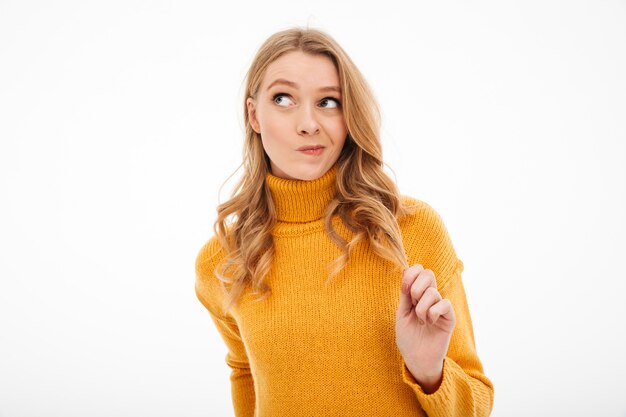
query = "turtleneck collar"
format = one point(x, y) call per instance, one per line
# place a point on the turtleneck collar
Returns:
point(301, 201)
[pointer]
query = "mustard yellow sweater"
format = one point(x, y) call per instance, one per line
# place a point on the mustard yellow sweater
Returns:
point(316, 350)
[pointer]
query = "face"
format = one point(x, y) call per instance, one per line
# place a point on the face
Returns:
point(297, 111)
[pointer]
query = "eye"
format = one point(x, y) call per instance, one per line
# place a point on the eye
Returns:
point(331, 100)
point(277, 96)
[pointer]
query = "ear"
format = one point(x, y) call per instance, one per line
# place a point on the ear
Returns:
point(251, 105)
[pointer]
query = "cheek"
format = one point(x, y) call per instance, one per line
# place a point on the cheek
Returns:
point(274, 129)
point(274, 135)
point(339, 132)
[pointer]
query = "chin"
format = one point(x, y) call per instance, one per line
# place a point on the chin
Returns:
point(308, 174)
point(307, 171)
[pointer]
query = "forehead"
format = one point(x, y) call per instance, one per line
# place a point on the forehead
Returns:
point(307, 70)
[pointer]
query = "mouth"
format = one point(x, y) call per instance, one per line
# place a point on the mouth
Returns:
point(312, 149)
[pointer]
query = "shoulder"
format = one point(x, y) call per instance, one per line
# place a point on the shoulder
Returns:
point(427, 240)
point(207, 285)
point(419, 217)
point(209, 254)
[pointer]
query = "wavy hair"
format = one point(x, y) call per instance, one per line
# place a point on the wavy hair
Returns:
point(367, 200)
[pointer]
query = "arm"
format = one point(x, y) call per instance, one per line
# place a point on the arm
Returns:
point(457, 385)
point(464, 390)
point(209, 292)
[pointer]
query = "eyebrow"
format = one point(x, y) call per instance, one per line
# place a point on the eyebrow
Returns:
point(294, 85)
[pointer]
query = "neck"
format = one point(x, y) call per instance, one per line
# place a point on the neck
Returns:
point(300, 201)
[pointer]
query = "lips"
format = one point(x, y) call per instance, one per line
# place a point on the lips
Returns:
point(310, 148)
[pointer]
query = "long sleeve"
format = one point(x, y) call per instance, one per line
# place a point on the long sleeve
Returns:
point(464, 390)
point(208, 291)
point(326, 347)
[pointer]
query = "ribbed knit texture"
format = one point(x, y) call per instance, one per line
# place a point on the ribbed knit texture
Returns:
point(329, 350)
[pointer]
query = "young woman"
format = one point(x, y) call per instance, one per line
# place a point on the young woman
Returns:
point(334, 294)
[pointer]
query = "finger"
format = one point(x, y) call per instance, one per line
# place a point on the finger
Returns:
point(442, 309)
point(430, 298)
point(425, 279)
point(408, 277)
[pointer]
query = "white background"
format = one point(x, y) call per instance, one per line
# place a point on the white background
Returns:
point(120, 120)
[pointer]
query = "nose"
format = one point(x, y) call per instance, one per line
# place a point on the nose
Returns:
point(307, 122)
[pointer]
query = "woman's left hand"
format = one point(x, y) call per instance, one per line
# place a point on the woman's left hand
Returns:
point(424, 325)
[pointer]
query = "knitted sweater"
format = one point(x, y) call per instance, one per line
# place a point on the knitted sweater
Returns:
point(317, 350)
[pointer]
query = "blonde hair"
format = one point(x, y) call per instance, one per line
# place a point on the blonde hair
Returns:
point(367, 200)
